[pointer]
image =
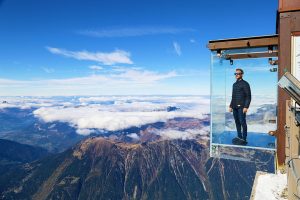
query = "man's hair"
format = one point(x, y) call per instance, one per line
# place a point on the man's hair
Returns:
point(238, 69)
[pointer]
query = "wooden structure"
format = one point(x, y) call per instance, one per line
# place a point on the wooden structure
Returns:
point(247, 42)
point(288, 5)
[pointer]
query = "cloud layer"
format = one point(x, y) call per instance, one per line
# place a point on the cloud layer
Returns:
point(118, 113)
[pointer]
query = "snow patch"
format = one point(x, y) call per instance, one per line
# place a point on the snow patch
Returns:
point(270, 186)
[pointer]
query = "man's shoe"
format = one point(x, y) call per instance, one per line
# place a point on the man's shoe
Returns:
point(239, 141)
point(236, 139)
point(244, 142)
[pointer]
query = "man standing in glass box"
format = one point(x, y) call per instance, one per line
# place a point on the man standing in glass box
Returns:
point(240, 102)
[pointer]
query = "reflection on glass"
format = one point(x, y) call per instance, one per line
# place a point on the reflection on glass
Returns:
point(261, 157)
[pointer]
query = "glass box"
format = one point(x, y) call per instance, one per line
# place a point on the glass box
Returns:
point(262, 114)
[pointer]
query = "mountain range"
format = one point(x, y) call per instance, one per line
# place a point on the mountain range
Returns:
point(99, 168)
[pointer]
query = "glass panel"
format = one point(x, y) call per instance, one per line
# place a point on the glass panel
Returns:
point(259, 156)
point(218, 101)
point(261, 116)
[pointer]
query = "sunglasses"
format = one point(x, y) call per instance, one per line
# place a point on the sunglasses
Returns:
point(238, 74)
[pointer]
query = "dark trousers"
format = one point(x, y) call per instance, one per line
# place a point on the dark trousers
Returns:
point(240, 121)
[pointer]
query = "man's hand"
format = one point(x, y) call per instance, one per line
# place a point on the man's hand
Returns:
point(230, 109)
point(245, 110)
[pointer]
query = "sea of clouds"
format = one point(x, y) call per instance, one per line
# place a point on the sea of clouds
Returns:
point(113, 113)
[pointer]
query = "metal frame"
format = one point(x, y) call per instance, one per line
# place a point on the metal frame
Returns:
point(252, 55)
point(244, 147)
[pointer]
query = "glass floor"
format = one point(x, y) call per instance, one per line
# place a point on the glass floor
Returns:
point(254, 139)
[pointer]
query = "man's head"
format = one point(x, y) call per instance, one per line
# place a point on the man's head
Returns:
point(239, 73)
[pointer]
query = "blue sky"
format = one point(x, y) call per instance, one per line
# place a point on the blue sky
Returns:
point(72, 47)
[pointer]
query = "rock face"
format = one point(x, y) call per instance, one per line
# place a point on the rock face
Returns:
point(99, 168)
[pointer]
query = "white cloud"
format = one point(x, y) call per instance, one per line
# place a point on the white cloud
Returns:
point(132, 32)
point(95, 67)
point(192, 40)
point(177, 48)
point(115, 57)
point(134, 136)
point(48, 70)
point(144, 76)
point(184, 135)
point(84, 131)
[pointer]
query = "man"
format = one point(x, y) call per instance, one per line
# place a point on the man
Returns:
point(241, 98)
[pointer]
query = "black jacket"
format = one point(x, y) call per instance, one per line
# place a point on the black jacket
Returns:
point(241, 94)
